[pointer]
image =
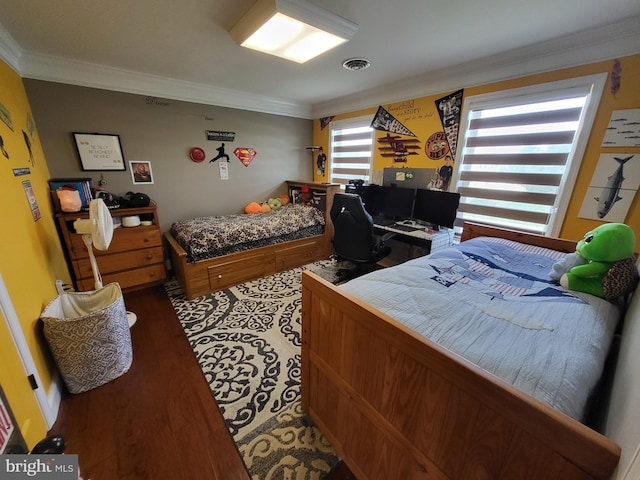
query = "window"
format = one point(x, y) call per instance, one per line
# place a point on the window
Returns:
point(520, 153)
point(351, 150)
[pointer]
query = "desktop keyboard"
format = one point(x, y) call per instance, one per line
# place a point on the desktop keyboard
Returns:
point(405, 228)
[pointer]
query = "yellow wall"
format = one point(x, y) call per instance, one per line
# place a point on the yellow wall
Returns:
point(32, 257)
point(421, 117)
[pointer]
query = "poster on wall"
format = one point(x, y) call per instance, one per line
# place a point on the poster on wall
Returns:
point(99, 151)
point(612, 189)
point(623, 129)
point(386, 122)
point(31, 198)
point(449, 109)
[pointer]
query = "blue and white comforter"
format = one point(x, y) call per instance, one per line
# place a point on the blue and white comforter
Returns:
point(492, 302)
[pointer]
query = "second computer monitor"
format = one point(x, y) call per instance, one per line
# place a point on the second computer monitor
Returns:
point(435, 207)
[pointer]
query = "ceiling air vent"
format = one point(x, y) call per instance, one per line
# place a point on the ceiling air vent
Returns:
point(356, 64)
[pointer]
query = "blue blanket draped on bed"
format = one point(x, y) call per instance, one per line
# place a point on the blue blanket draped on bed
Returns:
point(492, 302)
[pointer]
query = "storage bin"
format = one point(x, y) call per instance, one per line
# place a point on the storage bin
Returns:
point(88, 334)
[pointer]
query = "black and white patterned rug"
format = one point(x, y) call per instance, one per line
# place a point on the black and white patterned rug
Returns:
point(247, 342)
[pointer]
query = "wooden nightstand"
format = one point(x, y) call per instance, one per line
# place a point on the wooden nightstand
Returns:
point(135, 258)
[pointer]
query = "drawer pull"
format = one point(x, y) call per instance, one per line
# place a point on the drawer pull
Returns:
point(152, 274)
point(219, 277)
point(149, 256)
point(146, 240)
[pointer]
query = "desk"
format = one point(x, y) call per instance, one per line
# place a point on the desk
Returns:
point(406, 245)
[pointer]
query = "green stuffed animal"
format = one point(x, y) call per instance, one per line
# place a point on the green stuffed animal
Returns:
point(274, 203)
point(610, 271)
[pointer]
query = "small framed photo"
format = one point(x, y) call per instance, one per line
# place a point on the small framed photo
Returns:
point(141, 172)
point(99, 151)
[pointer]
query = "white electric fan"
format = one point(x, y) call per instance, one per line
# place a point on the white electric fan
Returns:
point(97, 231)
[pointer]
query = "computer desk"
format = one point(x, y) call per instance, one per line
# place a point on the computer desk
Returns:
point(406, 245)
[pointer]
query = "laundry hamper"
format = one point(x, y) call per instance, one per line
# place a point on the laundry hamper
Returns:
point(88, 334)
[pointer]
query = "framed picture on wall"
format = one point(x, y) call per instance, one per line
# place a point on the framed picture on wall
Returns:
point(99, 151)
point(141, 172)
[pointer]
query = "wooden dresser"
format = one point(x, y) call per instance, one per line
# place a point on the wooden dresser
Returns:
point(134, 259)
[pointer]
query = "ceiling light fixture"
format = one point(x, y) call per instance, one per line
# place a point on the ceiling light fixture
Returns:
point(293, 29)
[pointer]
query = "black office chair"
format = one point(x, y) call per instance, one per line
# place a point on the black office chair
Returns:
point(354, 238)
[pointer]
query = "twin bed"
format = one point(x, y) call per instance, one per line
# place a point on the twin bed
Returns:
point(213, 253)
point(467, 364)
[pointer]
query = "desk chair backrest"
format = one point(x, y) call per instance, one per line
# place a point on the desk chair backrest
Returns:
point(354, 238)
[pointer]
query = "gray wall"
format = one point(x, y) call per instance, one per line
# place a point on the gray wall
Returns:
point(163, 131)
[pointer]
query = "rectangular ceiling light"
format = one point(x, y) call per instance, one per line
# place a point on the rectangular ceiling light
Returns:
point(293, 29)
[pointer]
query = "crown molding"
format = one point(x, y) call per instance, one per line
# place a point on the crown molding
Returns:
point(63, 70)
point(603, 43)
point(10, 51)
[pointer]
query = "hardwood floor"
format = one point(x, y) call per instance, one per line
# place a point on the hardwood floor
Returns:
point(159, 420)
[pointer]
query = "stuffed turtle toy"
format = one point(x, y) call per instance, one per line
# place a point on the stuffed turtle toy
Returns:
point(610, 270)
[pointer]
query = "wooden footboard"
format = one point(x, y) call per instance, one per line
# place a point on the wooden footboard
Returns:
point(397, 406)
point(207, 276)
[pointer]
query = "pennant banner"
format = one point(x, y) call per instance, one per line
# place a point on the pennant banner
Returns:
point(449, 108)
point(388, 123)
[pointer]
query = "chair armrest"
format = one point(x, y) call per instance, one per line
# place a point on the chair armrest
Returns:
point(387, 236)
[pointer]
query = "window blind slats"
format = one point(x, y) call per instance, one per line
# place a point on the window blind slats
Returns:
point(535, 118)
point(547, 199)
point(349, 171)
point(512, 178)
point(536, 159)
point(350, 149)
point(360, 136)
point(362, 162)
point(520, 215)
point(546, 138)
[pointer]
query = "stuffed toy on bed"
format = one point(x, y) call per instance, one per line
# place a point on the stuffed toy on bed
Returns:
point(606, 266)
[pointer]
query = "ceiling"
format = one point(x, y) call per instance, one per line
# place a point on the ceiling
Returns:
point(181, 49)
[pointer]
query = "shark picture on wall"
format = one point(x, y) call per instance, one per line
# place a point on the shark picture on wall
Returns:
point(611, 192)
point(613, 188)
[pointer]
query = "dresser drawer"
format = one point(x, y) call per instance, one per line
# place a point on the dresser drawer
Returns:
point(130, 278)
point(117, 262)
point(124, 239)
point(237, 271)
point(287, 258)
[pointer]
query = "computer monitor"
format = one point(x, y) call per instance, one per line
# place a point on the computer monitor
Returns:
point(389, 202)
point(435, 207)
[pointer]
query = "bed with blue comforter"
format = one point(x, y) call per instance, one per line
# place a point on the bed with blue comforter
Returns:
point(468, 363)
point(492, 302)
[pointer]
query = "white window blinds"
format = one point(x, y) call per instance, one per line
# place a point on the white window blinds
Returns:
point(351, 150)
point(520, 152)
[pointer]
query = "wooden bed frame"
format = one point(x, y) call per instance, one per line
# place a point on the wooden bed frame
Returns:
point(395, 405)
point(206, 276)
